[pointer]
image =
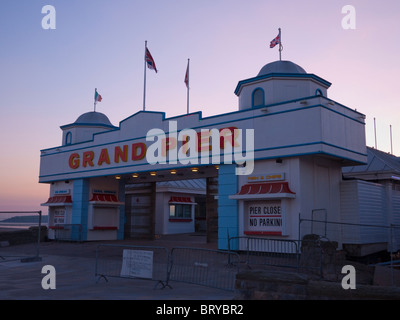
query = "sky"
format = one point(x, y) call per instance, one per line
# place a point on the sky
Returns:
point(48, 76)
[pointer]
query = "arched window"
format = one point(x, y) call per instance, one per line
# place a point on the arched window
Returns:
point(68, 138)
point(318, 92)
point(258, 97)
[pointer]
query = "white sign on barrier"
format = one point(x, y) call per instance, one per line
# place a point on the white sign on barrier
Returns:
point(137, 264)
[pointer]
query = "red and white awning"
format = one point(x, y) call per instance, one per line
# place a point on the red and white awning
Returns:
point(271, 190)
point(59, 200)
point(105, 199)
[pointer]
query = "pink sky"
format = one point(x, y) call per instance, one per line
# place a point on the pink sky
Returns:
point(48, 76)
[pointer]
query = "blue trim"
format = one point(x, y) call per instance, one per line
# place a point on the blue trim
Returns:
point(121, 197)
point(189, 166)
point(262, 104)
point(220, 115)
point(228, 214)
point(87, 125)
point(223, 122)
point(80, 207)
point(282, 75)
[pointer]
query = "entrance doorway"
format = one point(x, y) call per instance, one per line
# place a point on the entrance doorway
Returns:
point(140, 210)
point(153, 203)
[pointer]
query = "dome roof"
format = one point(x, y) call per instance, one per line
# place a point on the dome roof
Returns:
point(93, 118)
point(281, 67)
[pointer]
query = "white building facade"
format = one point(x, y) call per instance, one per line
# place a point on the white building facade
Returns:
point(301, 140)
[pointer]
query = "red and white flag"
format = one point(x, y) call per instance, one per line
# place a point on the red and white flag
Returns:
point(150, 61)
point(275, 41)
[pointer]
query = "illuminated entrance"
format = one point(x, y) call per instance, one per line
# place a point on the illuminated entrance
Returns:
point(184, 201)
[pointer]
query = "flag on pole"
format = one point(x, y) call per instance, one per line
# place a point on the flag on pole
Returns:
point(187, 76)
point(187, 84)
point(150, 61)
point(97, 96)
point(275, 41)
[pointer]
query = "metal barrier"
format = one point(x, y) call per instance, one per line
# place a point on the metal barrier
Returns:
point(68, 232)
point(135, 262)
point(212, 268)
point(263, 251)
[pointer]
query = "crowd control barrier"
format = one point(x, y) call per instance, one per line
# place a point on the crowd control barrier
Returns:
point(139, 262)
point(262, 251)
point(212, 268)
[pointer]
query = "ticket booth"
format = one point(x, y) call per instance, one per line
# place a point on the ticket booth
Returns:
point(60, 212)
point(103, 216)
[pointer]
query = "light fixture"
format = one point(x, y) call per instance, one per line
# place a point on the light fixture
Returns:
point(195, 169)
point(217, 167)
point(173, 171)
point(153, 173)
point(135, 175)
point(118, 177)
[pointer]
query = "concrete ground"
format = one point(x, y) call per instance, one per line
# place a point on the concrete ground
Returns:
point(75, 274)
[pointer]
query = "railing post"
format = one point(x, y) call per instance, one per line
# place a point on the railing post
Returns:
point(40, 227)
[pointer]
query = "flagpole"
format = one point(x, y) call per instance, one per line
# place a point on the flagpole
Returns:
point(144, 86)
point(188, 81)
point(280, 45)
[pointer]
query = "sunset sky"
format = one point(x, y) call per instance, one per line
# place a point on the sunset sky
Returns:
point(48, 76)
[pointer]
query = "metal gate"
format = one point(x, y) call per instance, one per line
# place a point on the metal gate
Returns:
point(140, 211)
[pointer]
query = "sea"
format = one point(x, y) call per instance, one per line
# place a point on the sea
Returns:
point(20, 221)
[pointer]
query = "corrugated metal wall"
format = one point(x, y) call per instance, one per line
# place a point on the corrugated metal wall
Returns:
point(396, 218)
point(363, 203)
point(372, 211)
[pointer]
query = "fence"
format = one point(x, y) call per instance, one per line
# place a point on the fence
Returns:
point(206, 267)
point(371, 243)
point(140, 262)
point(262, 251)
point(212, 268)
point(357, 235)
point(18, 219)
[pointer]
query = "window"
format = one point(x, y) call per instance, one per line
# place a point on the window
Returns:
point(318, 92)
point(258, 97)
point(180, 211)
point(68, 138)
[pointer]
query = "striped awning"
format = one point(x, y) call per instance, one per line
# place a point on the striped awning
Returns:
point(271, 190)
point(60, 200)
point(105, 198)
